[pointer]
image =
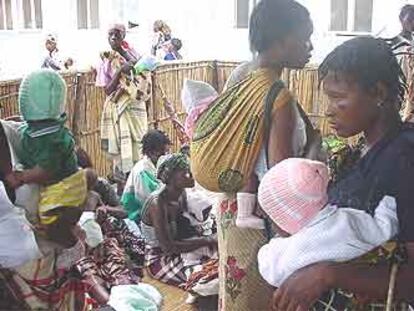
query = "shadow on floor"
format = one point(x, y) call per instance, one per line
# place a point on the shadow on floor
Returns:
point(207, 303)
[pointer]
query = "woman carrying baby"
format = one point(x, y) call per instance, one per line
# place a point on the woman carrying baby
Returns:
point(365, 88)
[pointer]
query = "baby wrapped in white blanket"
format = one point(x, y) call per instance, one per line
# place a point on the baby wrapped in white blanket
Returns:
point(201, 220)
point(294, 195)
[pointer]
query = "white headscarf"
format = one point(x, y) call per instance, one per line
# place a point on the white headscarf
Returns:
point(196, 92)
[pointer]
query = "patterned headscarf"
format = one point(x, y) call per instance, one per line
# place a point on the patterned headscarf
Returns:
point(171, 163)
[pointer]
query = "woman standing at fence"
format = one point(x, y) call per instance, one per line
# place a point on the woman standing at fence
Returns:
point(124, 117)
point(280, 36)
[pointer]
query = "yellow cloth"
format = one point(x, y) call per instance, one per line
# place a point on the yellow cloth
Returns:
point(70, 192)
point(229, 135)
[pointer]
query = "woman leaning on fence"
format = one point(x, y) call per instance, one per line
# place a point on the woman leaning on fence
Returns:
point(124, 117)
point(365, 88)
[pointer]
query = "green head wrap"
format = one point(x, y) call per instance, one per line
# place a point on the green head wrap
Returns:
point(171, 163)
point(42, 96)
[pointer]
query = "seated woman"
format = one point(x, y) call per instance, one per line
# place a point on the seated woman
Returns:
point(160, 215)
point(365, 89)
point(142, 180)
point(116, 250)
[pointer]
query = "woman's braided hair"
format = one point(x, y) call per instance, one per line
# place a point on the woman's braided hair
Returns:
point(368, 60)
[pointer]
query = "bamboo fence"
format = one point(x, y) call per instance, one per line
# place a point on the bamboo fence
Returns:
point(85, 100)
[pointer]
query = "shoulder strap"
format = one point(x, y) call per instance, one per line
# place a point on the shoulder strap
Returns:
point(308, 123)
point(270, 98)
point(310, 130)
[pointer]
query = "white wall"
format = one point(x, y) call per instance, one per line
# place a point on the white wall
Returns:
point(385, 24)
point(206, 28)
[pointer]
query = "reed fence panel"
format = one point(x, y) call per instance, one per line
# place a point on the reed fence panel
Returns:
point(85, 101)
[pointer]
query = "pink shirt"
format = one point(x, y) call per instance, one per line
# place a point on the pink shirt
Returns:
point(107, 67)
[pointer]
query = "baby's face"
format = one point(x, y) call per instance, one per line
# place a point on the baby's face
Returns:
point(280, 232)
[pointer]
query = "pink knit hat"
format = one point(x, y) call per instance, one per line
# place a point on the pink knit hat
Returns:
point(293, 192)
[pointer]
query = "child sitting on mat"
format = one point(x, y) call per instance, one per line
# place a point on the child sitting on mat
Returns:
point(294, 195)
point(48, 155)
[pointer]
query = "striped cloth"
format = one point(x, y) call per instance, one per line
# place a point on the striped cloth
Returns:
point(168, 269)
point(39, 285)
point(133, 245)
point(109, 262)
point(124, 116)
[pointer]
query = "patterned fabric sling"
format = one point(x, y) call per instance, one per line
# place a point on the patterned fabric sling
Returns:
point(228, 136)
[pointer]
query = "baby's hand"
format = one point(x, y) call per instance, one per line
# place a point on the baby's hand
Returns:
point(14, 179)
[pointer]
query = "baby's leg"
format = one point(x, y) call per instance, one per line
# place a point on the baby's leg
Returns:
point(246, 205)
